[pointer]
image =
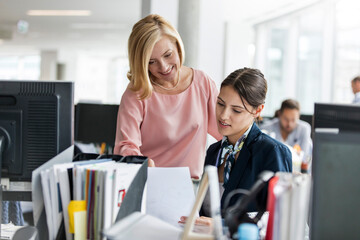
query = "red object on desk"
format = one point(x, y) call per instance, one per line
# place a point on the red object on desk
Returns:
point(271, 208)
point(121, 196)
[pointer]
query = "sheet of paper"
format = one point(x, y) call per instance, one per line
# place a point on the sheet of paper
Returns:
point(64, 184)
point(75, 206)
point(45, 185)
point(133, 200)
point(170, 193)
point(56, 209)
point(37, 192)
point(124, 175)
point(108, 197)
point(137, 226)
point(80, 227)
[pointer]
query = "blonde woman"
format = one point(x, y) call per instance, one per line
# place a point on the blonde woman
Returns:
point(168, 108)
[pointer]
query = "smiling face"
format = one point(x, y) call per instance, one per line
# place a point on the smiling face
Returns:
point(164, 62)
point(232, 117)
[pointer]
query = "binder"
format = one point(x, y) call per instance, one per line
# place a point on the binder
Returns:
point(271, 208)
point(288, 206)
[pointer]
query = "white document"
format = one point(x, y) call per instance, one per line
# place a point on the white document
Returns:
point(282, 192)
point(170, 193)
point(40, 220)
point(299, 206)
point(292, 194)
point(107, 201)
point(100, 203)
point(124, 174)
point(55, 211)
point(45, 185)
point(62, 173)
point(138, 226)
point(36, 193)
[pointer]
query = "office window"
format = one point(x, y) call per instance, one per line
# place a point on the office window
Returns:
point(91, 78)
point(309, 60)
point(20, 67)
point(347, 62)
point(274, 66)
point(118, 78)
point(100, 78)
point(294, 56)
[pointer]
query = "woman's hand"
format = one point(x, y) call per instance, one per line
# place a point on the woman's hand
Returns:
point(199, 221)
point(151, 163)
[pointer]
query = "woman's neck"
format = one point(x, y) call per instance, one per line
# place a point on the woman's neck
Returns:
point(233, 139)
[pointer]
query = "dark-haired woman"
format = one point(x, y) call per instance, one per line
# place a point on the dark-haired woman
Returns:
point(244, 152)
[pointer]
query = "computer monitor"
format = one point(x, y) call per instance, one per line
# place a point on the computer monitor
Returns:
point(36, 123)
point(335, 204)
point(307, 118)
point(345, 117)
point(95, 123)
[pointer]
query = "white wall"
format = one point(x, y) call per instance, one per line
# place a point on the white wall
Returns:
point(211, 39)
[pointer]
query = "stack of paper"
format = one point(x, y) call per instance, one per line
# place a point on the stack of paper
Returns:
point(138, 226)
point(168, 195)
point(288, 206)
point(100, 184)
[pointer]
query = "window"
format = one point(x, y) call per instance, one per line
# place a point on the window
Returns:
point(310, 55)
point(25, 67)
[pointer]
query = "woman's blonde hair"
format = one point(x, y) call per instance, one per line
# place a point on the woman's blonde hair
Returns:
point(145, 34)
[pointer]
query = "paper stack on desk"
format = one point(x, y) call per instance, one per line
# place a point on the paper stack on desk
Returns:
point(288, 206)
point(100, 184)
point(154, 213)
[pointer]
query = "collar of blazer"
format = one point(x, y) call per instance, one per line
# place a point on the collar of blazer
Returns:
point(240, 166)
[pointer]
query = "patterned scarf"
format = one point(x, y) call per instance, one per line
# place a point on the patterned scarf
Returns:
point(228, 153)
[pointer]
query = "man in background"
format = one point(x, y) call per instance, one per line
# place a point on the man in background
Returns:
point(355, 85)
point(286, 127)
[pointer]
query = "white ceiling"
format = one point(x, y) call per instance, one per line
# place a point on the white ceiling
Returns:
point(110, 23)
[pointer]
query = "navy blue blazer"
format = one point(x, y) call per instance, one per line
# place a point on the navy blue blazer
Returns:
point(260, 152)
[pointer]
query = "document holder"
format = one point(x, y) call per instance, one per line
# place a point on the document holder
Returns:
point(209, 181)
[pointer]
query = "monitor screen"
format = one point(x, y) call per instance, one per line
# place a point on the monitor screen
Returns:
point(95, 123)
point(36, 123)
point(335, 208)
point(342, 116)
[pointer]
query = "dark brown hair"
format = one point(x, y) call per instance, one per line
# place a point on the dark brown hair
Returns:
point(290, 104)
point(250, 84)
point(356, 79)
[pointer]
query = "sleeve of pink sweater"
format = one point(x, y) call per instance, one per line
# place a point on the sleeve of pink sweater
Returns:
point(130, 116)
point(213, 129)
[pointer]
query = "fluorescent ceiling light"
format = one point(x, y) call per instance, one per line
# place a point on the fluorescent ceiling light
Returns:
point(59, 13)
point(98, 26)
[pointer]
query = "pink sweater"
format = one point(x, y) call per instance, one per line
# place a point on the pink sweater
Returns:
point(170, 129)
